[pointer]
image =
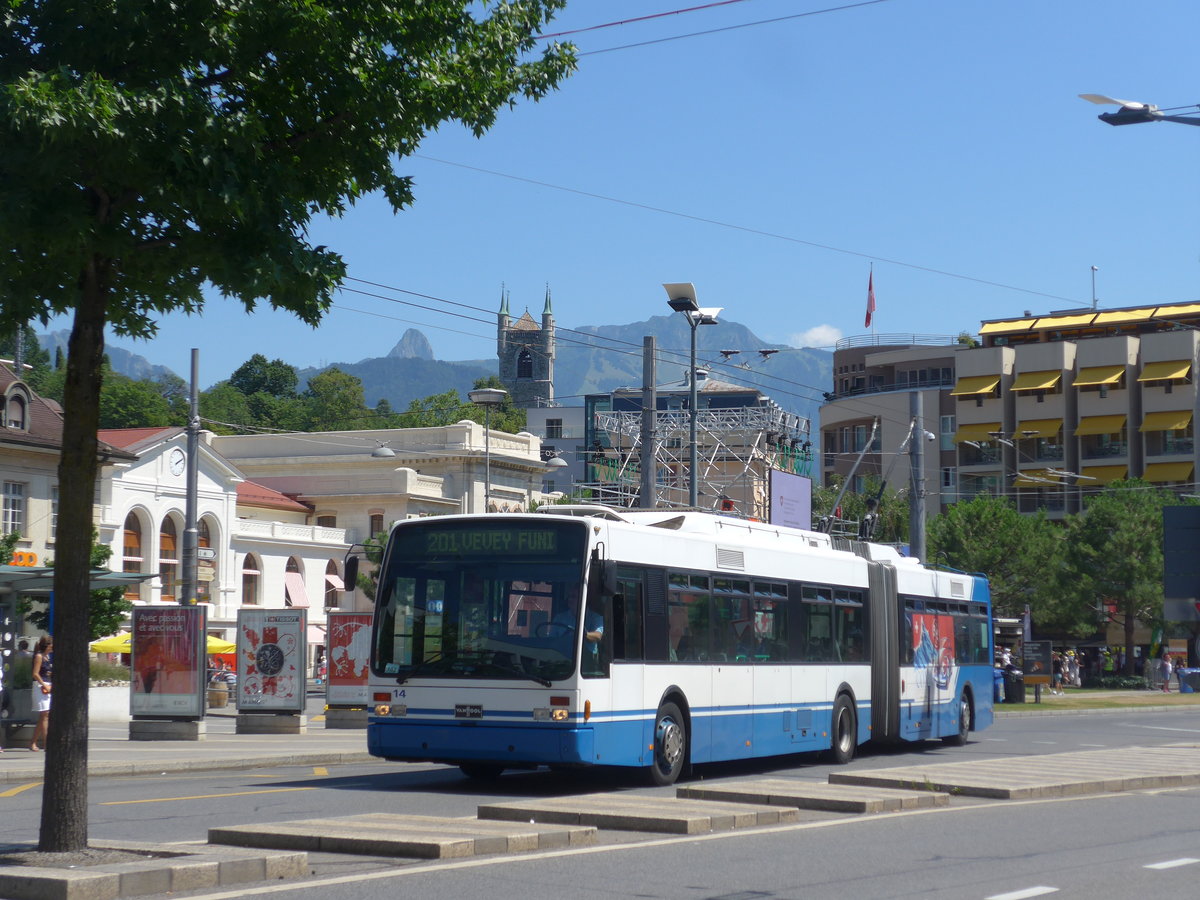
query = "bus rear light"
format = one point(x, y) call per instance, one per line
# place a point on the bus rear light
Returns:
point(541, 714)
point(560, 701)
point(558, 715)
point(381, 696)
point(383, 710)
point(587, 710)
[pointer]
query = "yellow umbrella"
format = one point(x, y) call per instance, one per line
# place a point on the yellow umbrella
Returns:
point(122, 643)
point(118, 643)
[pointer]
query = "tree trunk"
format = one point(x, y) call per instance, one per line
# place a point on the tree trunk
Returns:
point(64, 826)
point(1130, 623)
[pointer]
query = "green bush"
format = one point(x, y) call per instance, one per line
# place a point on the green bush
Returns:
point(106, 671)
point(1116, 682)
point(19, 674)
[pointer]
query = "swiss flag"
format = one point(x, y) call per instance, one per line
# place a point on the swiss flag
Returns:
point(870, 299)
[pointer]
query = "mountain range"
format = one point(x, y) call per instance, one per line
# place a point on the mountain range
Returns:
point(590, 359)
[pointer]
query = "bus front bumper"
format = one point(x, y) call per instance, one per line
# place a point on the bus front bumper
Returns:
point(516, 745)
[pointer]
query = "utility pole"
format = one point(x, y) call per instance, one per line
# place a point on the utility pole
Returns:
point(649, 488)
point(916, 500)
point(187, 593)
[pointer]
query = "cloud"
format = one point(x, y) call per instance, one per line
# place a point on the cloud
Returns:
point(821, 336)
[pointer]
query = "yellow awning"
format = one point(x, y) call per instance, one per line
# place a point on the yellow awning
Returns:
point(1119, 316)
point(1100, 425)
point(1094, 476)
point(1172, 471)
point(1171, 312)
point(1167, 421)
point(975, 384)
point(1165, 371)
point(1092, 375)
point(1042, 428)
point(1016, 325)
point(978, 432)
point(1037, 381)
point(1065, 321)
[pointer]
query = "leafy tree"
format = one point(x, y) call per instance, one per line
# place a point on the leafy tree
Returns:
point(224, 403)
point(334, 402)
point(128, 189)
point(32, 353)
point(1016, 552)
point(125, 403)
point(276, 377)
point(107, 608)
point(1115, 557)
point(891, 510)
point(8, 545)
point(505, 417)
point(435, 410)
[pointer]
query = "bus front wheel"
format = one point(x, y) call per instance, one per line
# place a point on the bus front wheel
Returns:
point(670, 745)
point(843, 731)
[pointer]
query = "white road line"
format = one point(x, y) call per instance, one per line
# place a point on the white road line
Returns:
point(1173, 863)
point(1046, 742)
point(1021, 895)
point(1093, 745)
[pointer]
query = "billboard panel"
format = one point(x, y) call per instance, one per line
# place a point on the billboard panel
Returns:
point(791, 500)
point(168, 662)
point(271, 656)
point(348, 649)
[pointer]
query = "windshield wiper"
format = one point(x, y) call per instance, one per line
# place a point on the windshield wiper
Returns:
point(400, 679)
point(516, 670)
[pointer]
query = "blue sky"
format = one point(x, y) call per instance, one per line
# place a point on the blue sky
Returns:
point(771, 165)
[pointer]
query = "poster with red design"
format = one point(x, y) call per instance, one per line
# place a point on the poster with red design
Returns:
point(933, 647)
point(348, 645)
point(167, 664)
point(271, 656)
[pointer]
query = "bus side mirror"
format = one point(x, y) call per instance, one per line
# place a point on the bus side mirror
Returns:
point(351, 572)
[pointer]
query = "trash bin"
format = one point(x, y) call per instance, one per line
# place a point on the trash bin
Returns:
point(1189, 681)
point(1014, 687)
point(218, 695)
point(997, 685)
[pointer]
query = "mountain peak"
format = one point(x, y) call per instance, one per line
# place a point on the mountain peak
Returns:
point(412, 345)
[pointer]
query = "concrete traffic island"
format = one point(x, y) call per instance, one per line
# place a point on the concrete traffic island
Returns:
point(634, 813)
point(162, 869)
point(271, 723)
point(814, 795)
point(1050, 775)
point(168, 730)
point(388, 834)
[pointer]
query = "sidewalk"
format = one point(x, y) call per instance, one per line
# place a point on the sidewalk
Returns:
point(111, 752)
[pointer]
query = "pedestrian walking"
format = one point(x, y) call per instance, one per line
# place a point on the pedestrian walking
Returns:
point(1056, 670)
point(1166, 672)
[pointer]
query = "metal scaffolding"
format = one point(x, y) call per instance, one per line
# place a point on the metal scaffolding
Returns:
point(737, 449)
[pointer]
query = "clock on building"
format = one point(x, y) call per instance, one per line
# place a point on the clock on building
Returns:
point(177, 461)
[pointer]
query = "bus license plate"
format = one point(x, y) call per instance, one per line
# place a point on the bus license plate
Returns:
point(468, 711)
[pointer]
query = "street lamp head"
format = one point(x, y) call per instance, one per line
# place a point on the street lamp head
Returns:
point(681, 296)
point(383, 452)
point(707, 315)
point(556, 462)
point(487, 396)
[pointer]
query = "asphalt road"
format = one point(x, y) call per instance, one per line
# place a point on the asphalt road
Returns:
point(1096, 847)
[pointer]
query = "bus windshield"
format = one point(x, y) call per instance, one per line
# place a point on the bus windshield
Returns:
point(470, 599)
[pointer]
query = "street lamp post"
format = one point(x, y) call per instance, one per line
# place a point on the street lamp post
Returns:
point(487, 398)
point(681, 297)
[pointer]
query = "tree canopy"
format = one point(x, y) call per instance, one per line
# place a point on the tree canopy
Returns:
point(155, 150)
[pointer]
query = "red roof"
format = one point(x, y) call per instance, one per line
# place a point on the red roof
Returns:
point(251, 494)
point(137, 438)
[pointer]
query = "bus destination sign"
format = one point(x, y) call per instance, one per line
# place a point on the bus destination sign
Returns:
point(492, 541)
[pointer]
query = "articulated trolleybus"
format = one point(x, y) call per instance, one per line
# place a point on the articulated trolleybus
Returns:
point(585, 636)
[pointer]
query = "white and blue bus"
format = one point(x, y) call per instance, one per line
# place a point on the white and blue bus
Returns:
point(703, 638)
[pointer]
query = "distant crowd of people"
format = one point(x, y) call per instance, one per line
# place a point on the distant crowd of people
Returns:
point(1070, 667)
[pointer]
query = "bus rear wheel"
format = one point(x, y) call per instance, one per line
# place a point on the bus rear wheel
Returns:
point(843, 731)
point(670, 745)
point(964, 724)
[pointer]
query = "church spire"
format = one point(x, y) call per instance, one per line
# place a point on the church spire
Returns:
point(547, 311)
point(503, 300)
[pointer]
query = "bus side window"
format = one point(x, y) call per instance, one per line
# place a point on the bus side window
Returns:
point(627, 618)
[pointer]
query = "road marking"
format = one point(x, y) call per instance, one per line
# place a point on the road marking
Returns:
point(1172, 863)
point(1141, 727)
point(1046, 742)
point(1093, 745)
point(204, 796)
point(1022, 895)
point(12, 792)
point(320, 770)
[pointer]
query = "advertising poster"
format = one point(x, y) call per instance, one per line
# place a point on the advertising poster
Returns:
point(1037, 663)
point(168, 662)
point(348, 649)
point(933, 647)
point(271, 660)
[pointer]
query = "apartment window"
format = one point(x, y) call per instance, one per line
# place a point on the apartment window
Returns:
point(131, 557)
point(375, 524)
point(554, 429)
point(13, 521)
point(860, 437)
point(54, 512)
point(946, 432)
point(16, 413)
point(168, 558)
point(525, 364)
point(250, 580)
point(949, 479)
point(327, 521)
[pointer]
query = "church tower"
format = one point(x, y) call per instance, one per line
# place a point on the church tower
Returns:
point(525, 352)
